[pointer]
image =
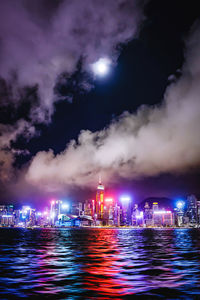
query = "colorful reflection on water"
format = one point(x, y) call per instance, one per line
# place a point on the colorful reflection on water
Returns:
point(100, 263)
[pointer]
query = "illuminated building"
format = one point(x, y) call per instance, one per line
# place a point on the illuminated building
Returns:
point(99, 205)
point(126, 210)
point(155, 206)
point(55, 210)
point(198, 212)
point(76, 209)
point(108, 211)
point(148, 218)
point(179, 213)
point(32, 221)
point(88, 208)
point(25, 213)
point(6, 215)
point(135, 214)
point(192, 209)
point(117, 215)
point(163, 218)
point(80, 208)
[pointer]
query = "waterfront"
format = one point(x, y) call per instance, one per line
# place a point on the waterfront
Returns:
point(99, 263)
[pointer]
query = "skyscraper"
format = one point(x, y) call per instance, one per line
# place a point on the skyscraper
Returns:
point(198, 212)
point(192, 209)
point(99, 205)
point(148, 217)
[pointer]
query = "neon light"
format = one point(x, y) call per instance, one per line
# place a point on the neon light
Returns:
point(160, 212)
point(180, 204)
point(65, 206)
point(52, 215)
point(140, 216)
point(25, 208)
point(109, 200)
point(125, 198)
point(7, 216)
point(100, 187)
point(101, 197)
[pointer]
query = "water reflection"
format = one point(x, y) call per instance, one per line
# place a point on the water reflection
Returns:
point(99, 263)
point(103, 262)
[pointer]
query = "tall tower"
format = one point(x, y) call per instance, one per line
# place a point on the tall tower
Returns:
point(99, 205)
point(192, 209)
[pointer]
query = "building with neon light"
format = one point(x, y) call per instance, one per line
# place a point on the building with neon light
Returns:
point(99, 205)
point(163, 218)
point(192, 209)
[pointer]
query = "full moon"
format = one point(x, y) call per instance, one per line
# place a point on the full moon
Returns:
point(101, 66)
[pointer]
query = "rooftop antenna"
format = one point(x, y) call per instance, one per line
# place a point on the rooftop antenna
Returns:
point(100, 178)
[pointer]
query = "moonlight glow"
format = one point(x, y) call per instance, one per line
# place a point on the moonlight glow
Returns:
point(101, 67)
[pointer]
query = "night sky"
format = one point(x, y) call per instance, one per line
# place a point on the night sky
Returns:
point(152, 59)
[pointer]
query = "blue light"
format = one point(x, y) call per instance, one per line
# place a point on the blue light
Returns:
point(180, 204)
point(125, 198)
point(65, 206)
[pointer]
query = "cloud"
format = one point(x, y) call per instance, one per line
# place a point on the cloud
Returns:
point(9, 134)
point(6, 161)
point(155, 140)
point(41, 39)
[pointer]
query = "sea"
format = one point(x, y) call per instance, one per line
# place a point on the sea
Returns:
point(99, 263)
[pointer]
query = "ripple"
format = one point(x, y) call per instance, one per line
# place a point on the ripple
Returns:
point(99, 263)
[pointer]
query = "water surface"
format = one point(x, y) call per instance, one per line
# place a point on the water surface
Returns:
point(100, 263)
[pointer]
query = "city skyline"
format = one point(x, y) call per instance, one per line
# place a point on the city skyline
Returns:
point(105, 210)
point(125, 103)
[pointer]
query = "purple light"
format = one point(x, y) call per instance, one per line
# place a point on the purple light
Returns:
point(125, 199)
point(162, 212)
point(140, 216)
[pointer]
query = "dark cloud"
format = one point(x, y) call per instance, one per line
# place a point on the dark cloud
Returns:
point(40, 40)
point(37, 46)
point(155, 140)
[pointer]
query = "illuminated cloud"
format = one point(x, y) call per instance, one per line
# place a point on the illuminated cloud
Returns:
point(159, 139)
point(42, 39)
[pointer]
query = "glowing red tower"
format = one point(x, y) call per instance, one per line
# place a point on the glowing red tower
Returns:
point(99, 205)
